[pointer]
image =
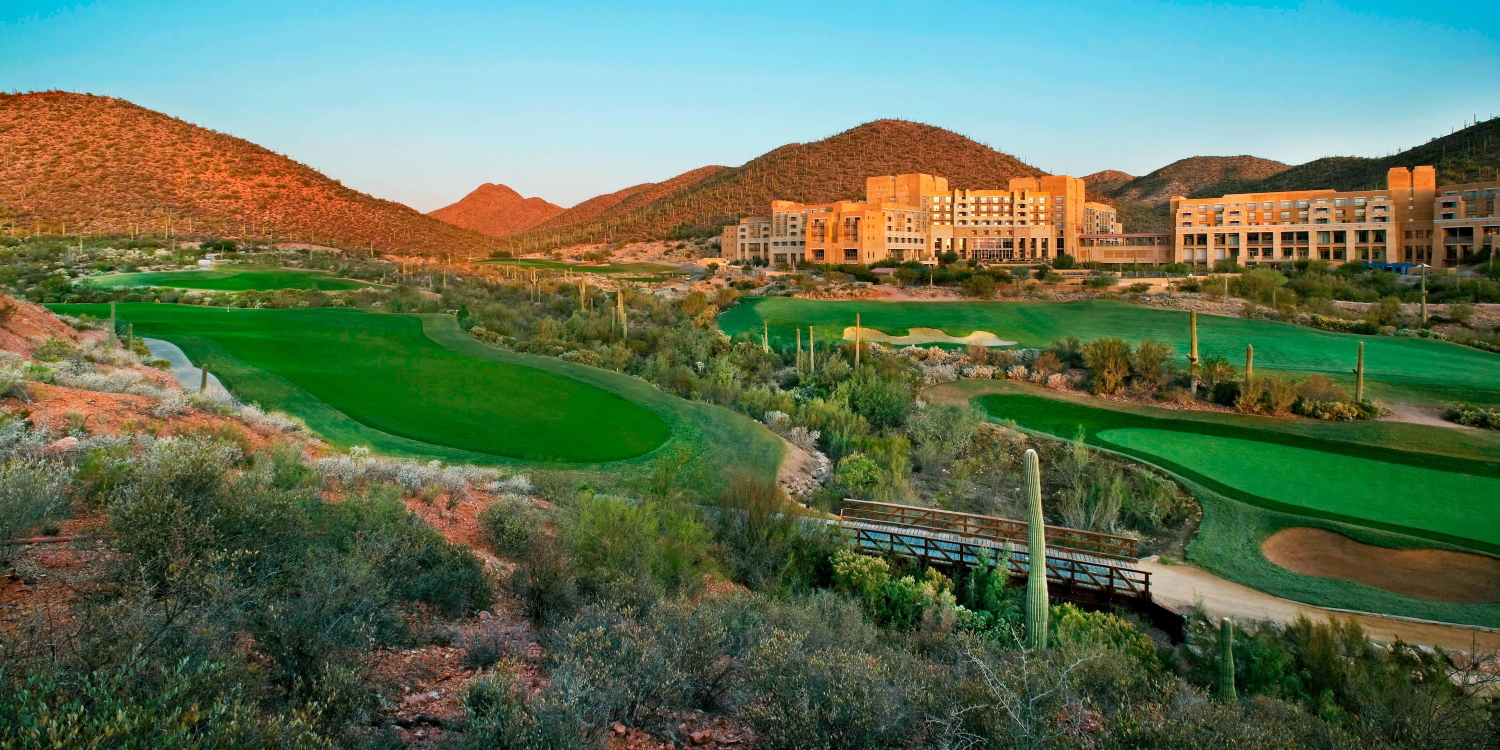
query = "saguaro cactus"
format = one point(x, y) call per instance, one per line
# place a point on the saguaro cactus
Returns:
point(812, 358)
point(113, 339)
point(856, 341)
point(1226, 661)
point(129, 336)
point(1193, 348)
point(1249, 363)
point(1359, 374)
point(1036, 556)
point(202, 379)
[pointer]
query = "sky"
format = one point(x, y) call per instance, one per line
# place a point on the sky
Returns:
point(422, 102)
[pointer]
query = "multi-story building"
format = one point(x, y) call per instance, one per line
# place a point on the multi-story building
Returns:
point(1465, 222)
point(1411, 220)
point(915, 217)
point(750, 238)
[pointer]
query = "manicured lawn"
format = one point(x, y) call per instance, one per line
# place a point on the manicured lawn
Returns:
point(231, 279)
point(1255, 476)
point(1448, 498)
point(1396, 368)
point(1445, 504)
point(634, 269)
point(383, 372)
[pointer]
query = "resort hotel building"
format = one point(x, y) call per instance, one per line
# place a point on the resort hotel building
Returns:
point(917, 217)
point(1412, 220)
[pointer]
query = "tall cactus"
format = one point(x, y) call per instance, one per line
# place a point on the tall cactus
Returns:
point(1359, 375)
point(1036, 556)
point(1249, 364)
point(113, 337)
point(1227, 692)
point(1193, 349)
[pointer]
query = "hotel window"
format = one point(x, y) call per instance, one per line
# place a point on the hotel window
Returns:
point(1359, 202)
point(1286, 204)
point(1286, 214)
point(1302, 204)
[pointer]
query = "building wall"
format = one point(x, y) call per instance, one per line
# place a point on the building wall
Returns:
point(1465, 221)
point(750, 238)
point(1394, 224)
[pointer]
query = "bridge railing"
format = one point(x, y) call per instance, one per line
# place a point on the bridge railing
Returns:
point(1097, 580)
point(989, 528)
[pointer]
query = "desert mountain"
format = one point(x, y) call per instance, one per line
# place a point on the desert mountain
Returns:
point(496, 210)
point(1105, 182)
point(71, 162)
point(832, 169)
point(623, 202)
point(1193, 174)
point(1468, 155)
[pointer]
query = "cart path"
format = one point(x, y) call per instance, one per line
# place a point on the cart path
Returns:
point(1181, 586)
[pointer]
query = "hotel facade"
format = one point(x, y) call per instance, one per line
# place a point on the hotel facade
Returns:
point(1412, 220)
point(916, 217)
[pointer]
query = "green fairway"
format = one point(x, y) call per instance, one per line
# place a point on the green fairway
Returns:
point(384, 373)
point(1417, 370)
point(648, 271)
point(1449, 498)
point(1448, 505)
point(1255, 476)
point(231, 279)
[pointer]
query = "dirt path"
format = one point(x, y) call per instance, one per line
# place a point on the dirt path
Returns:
point(1180, 587)
point(1403, 412)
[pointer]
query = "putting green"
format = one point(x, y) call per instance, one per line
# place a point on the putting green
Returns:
point(383, 372)
point(1398, 368)
point(231, 279)
point(1449, 504)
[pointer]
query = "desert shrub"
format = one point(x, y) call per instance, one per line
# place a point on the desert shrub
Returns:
point(1151, 362)
point(619, 545)
point(1280, 395)
point(1101, 280)
point(1473, 416)
point(510, 524)
point(881, 399)
point(1077, 629)
point(939, 432)
point(979, 285)
point(1252, 396)
point(494, 640)
point(1108, 360)
point(546, 583)
point(1048, 363)
point(1333, 411)
point(187, 705)
point(1320, 388)
point(32, 491)
point(765, 540)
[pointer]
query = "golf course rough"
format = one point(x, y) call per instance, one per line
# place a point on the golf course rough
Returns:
point(230, 279)
point(384, 373)
point(1413, 369)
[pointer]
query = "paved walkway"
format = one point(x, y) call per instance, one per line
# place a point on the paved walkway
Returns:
point(188, 376)
point(1180, 587)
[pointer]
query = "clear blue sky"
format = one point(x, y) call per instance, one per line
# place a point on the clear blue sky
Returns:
point(420, 103)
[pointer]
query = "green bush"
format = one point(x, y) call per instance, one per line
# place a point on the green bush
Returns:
point(32, 492)
point(510, 524)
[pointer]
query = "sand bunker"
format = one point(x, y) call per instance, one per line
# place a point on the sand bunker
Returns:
point(1434, 574)
point(926, 336)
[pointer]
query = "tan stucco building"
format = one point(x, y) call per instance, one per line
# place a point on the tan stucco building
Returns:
point(1411, 220)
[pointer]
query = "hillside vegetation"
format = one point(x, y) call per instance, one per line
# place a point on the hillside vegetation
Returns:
point(832, 169)
point(77, 162)
point(1468, 155)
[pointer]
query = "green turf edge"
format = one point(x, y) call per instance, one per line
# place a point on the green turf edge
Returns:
point(1228, 544)
point(718, 438)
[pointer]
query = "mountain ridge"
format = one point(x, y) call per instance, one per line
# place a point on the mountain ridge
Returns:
point(496, 210)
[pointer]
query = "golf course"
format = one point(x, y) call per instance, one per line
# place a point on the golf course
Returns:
point(1391, 485)
point(1409, 369)
point(419, 386)
point(231, 278)
point(628, 271)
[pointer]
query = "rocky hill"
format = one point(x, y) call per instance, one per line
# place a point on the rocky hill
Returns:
point(623, 202)
point(1468, 155)
point(71, 162)
point(831, 169)
point(1195, 174)
point(497, 210)
point(1105, 182)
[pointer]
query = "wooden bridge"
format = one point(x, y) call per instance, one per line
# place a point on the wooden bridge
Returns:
point(1086, 567)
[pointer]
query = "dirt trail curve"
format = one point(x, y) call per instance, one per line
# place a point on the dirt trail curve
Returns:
point(1180, 586)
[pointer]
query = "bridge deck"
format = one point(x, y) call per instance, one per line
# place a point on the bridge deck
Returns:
point(1070, 574)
